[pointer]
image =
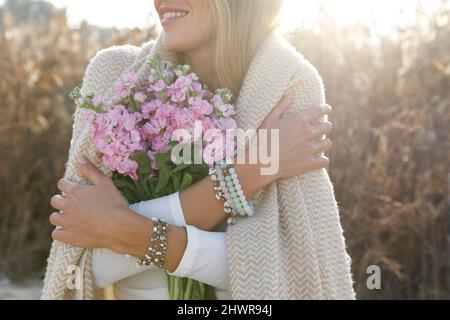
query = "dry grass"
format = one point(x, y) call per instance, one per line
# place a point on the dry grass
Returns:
point(390, 164)
point(391, 161)
point(39, 65)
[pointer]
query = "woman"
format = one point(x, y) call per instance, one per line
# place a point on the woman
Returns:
point(292, 247)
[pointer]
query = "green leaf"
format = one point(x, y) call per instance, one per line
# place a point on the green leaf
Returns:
point(196, 291)
point(187, 181)
point(180, 167)
point(210, 293)
point(198, 172)
point(75, 94)
point(144, 164)
point(164, 171)
point(176, 181)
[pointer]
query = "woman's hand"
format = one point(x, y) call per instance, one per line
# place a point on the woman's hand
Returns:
point(98, 216)
point(94, 216)
point(301, 143)
point(300, 146)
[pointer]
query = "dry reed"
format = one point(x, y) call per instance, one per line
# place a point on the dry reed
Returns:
point(390, 163)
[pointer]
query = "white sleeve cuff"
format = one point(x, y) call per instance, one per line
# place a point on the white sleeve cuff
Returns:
point(176, 210)
point(109, 267)
point(191, 254)
point(205, 258)
point(166, 208)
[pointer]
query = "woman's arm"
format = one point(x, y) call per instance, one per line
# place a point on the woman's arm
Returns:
point(205, 258)
point(98, 216)
point(300, 150)
point(191, 253)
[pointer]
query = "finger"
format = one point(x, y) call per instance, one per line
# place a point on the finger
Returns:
point(58, 202)
point(89, 171)
point(321, 146)
point(66, 185)
point(320, 162)
point(60, 235)
point(282, 106)
point(320, 129)
point(313, 114)
point(323, 161)
point(68, 237)
point(57, 219)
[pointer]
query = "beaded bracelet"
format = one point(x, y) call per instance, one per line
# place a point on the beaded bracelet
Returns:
point(222, 193)
point(238, 199)
point(228, 188)
point(156, 252)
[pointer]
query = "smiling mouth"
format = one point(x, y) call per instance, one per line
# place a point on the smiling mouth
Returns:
point(172, 16)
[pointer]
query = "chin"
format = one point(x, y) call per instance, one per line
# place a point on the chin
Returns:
point(175, 42)
point(184, 36)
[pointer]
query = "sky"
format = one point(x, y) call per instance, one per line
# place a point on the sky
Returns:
point(130, 13)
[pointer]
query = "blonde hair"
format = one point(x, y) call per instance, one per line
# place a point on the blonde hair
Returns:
point(241, 26)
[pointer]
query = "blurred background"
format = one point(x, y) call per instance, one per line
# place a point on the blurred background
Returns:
point(386, 66)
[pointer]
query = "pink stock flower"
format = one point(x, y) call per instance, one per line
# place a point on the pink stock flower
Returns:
point(182, 136)
point(159, 86)
point(177, 94)
point(152, 158)
point(227, 124)
point(181, 118)
point(130, 78)
point(127, 83)
point(129, 167)
point(139, 97)
point(227, 110)
point(197, 88)
point(183, 82)
point(173, 106)
point(202, 107)
point(160, 145)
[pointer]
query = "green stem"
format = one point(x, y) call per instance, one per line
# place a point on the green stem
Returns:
point(177, 288)
point(202, 290)
point(189, 288)
point(171, 288)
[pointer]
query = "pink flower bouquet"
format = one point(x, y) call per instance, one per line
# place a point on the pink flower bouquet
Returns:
point(138, 134)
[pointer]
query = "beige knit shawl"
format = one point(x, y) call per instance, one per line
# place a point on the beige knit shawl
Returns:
point(293, 248)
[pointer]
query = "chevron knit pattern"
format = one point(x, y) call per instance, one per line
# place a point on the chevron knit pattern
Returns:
point(293, 248)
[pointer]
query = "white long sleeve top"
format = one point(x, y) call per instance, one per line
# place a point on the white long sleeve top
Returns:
point(205, 259)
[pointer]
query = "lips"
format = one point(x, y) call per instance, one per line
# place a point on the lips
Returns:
point(168, 14)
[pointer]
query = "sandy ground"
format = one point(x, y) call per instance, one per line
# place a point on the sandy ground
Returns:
point(28, 290)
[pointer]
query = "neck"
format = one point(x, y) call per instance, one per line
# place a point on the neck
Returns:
point(201, 62)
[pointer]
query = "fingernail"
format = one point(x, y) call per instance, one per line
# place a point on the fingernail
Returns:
point(82, 160)
point(327, 107)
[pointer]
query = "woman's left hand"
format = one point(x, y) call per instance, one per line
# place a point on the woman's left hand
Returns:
point(90, 215)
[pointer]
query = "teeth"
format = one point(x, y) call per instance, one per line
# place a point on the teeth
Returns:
point(170, 15)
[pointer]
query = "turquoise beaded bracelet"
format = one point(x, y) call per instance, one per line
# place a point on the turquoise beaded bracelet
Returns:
point(221, 190)
point(236, 194)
